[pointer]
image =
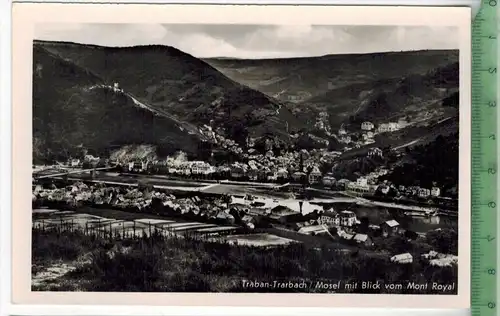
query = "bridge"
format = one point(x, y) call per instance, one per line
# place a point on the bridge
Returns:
point(60, 173)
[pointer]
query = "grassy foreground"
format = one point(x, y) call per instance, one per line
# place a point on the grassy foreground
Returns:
point(159, 264)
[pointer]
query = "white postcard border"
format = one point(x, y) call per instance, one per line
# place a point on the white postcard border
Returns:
point(27, 15)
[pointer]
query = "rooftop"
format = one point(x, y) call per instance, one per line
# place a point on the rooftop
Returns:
point(392, 223)
point(361, 237)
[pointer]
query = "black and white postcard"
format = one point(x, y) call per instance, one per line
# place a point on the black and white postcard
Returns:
point(314, 153)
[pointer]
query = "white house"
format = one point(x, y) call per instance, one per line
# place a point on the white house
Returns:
point(402, 258)
point(315, 175)
point(282, 173)
point(75, 162)
point(383, 188)
point(424, 193)
point(388, 127)
point(328, 180)
point(346, 139)
point(402, 121)
point(347, 218)
point(390, 227)
point(393, 126)
point(329, 219)
point(363, 239)
point(382, 128)
point(372, 152)
point(201, 167)
point(435, 191)
point(367, 126)
point(272, 175)
point(362, 182)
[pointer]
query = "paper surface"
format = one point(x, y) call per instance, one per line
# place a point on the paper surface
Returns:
point(379, 85)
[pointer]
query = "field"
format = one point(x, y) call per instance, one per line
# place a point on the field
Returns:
point(119, 224)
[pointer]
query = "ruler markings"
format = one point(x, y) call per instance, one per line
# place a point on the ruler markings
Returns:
point(484, 161)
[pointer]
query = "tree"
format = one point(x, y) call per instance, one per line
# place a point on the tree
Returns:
point(238, 132)
point(364, 224)
point(411, 234)
point(443, 240)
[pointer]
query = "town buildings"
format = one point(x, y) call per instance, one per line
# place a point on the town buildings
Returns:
point(424, 193)
point(348, 218)
point(329, 218)
point(435, 191)
point(328, 180)
point(342, 131)
point(363, 239)
point(375, 152)
point(390, 228)
point(315, 175)
point(388, 127)
point(403, 258)
point(367, 126)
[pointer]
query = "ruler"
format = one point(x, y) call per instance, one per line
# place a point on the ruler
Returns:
point(485, 167)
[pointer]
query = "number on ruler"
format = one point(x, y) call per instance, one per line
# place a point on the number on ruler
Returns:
point(492, 104)
point(492, 3)
point(492, 271)
point(492, 136)
point(492, 70)
point(492, 171)
point(491, 305)
point(492, 204)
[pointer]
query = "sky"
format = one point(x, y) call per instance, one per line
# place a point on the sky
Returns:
point(256, 41)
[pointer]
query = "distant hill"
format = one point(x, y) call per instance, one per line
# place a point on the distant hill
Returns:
point(413, 93)
point(434, 164)
point(172, 81)
point(72, 109)
point(352, 88)
point(300, 79)
point(164, 97)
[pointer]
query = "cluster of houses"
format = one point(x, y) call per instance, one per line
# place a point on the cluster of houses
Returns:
point(237, 214)
point(263, 168)
point(217, 137)
point(249, 212)
point(419, 191)
point(133, 199)
point(322, 123)
point(384, 127)
point(368, 185)
point(432, 257)
point(345, 226)
point(87, 159)
point(367, 132)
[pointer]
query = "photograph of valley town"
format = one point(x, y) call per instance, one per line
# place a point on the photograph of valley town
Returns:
point(245, 158)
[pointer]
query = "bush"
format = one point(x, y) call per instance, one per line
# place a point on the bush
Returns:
point(188, 265)
point(444, 240)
